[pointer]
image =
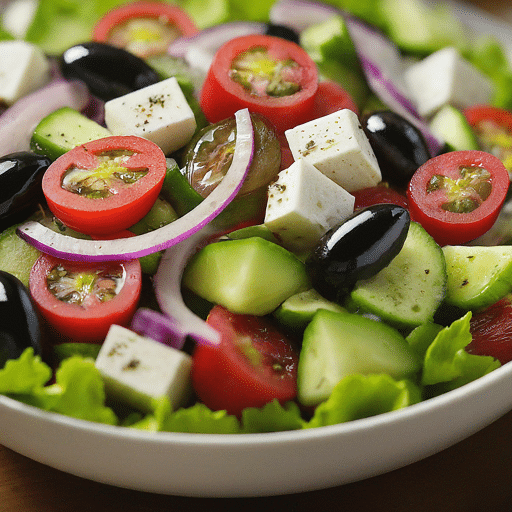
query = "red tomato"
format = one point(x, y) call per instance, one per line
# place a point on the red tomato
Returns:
point(80, 301)
point(105, 185)
point(331, 97)
point(144, 28)
point(377, 195)
point(265, 74)
point(253, 364)
point(457, 196)
point(492, 331)
point(493, 129)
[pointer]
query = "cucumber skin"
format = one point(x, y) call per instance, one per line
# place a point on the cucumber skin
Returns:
point(367, 296)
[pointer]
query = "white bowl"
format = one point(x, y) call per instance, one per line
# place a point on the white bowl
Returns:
point(254, 464)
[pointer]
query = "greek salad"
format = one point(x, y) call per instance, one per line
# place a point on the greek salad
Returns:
point(231, 217)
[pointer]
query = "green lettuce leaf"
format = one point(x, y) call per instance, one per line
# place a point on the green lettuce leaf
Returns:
point(273, 417)
point(361, 396)
point(25, 375)
point(447, 361)
point(199, 419)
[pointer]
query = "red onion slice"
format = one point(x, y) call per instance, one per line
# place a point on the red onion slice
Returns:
point(17, 123)
point(66, 247)
point(167, 285)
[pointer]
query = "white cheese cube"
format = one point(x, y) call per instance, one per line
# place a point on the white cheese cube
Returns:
point(303, 204)
point(18, 15)
point(137, 369)
point(445, 77)
point(338, 147)
point(23, 69)
point(158, 112)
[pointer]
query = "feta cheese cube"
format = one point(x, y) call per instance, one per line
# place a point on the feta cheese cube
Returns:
point(137, 369)
point(158, 112)
point(303, 204)
point(23, 69)
point(445, 77)
point(338, 147)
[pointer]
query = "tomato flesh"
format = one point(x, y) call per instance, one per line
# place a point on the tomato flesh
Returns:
point(457, 196)
point(491, 331)
point(254, 364)
point(379, 194)
point(80, 301)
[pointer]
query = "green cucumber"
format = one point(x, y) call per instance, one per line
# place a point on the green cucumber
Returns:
point(337, 345)
point(409, 290)
point(450, 125)
point(248, 276)
point(477, 276)
point(297, 311)
point(63, 130)
point(16, 256)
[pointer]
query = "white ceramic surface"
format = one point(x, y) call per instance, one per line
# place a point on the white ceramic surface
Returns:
point(260, 464)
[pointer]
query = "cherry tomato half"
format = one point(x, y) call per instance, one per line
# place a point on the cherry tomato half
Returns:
point(491, 331)
point(253, 364)
point(457, 196)
point(265, 74)
point(144, 28)
point(105, 185)
point(493, 129)
point(80, 301)
point(331, 97)
point(379, 194)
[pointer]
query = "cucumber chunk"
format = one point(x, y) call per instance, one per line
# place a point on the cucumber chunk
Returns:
point(298, 310)
point(477, 276)
point(409, 290)
point(64, 129)
point(450, 125)
point(337, 345)
point(248, 276)
point(16, 256)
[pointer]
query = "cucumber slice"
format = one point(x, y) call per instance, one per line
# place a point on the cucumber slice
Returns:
point(337, 345)
point(64, 129)
point(450, 125)
point(16, 256)
point(409, 290)
point(298, 310)
point(249, 276)
point(477, 276)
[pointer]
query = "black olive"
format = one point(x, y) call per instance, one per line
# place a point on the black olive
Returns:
point(283, 32)
point(19, 321)
point(399, 146)
point(358, 248)
point(21, 174)
point(108, 72)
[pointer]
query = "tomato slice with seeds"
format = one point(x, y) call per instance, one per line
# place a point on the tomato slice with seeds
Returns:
point(80, 301)
point(105, 185)
point(254, 364)
point(144, 28)
point(457, 196)
point(493, 129)
point(266, 74)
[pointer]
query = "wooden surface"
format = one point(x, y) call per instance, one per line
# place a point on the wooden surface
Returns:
point(472, 476)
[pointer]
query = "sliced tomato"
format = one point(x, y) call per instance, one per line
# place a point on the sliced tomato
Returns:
point(253, 364)
point(381, 193)
point(105, 185)
point(493, 128)
point(491, 331)
point(144, 28)
point(457, 196)
point(265, 74)
point(331, 97)
point(80, 300)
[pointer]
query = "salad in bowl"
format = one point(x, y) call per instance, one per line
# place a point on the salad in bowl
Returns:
point(236, 233)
